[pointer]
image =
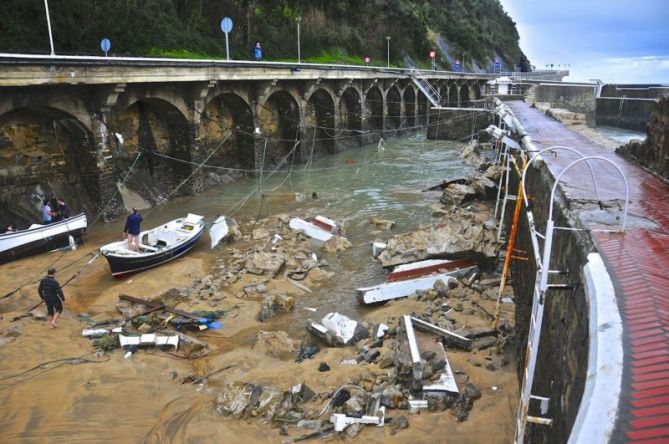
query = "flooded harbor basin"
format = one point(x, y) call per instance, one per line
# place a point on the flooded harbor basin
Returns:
point(104, 397)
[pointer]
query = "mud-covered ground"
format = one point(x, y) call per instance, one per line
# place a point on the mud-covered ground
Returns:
point(55, 385)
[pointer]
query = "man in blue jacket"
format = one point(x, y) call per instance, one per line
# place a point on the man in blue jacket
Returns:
point(132, 229)
point(257, 52)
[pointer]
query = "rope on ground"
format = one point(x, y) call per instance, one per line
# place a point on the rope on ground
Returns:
point(46, 366)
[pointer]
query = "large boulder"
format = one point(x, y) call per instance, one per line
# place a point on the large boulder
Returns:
point(264, 263)
point(462, 232)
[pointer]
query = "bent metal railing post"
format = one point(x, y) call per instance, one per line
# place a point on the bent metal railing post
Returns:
point(541, 286)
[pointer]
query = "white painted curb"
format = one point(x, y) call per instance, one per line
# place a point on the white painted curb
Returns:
point(599, 406)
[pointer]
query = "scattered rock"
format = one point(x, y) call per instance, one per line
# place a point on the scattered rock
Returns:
point(323, 367)
point(274, 304)
point(263, 263)
point(381, 223)
point(336, 244)
point(38, 315)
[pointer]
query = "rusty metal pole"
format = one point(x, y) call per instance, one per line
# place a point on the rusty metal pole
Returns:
point(510, 245)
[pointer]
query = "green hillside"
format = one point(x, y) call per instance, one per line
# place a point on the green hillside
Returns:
point(331, 30)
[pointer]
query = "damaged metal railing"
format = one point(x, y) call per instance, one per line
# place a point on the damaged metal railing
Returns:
point(542, 286)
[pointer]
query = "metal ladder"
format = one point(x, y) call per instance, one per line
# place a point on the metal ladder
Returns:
point(426, 87)
point(541, 286)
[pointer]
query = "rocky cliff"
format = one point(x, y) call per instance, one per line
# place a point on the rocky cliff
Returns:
point(476, 32)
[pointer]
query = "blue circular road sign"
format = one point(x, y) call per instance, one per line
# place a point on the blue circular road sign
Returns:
point(226, 24)
point(105, 44)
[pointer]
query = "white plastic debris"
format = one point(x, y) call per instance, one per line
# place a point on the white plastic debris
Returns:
point(149, 339)
point(378, 248)
point(342, 421)
point(94, 332)
point(342, 326)
point(415, 405)
point(348, 362)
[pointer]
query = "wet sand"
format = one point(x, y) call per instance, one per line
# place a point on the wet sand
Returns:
point(142, 399)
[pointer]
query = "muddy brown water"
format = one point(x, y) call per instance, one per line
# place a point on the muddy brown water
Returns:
point(141, 399)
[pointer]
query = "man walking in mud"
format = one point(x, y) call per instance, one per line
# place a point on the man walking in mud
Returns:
point(52, 295)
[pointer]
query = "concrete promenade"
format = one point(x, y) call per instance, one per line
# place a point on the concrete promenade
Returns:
point(638, 262)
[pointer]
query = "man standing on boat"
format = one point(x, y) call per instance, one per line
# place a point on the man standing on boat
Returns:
point(52, 295)
point(46, 212)
point(132, 229)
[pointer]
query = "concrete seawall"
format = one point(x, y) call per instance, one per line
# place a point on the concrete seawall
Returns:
point(622, 106)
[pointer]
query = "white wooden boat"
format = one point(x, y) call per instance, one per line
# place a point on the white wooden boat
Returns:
point(320, 228)
point(157, 246)
point(406, 279)
point(42, 238)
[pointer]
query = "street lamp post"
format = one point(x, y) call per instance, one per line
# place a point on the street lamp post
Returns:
point(48, 23)
point(299, 56)
point(388, 51)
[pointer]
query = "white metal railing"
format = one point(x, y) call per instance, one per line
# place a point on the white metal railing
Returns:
point(426, 87)
point(541, 285)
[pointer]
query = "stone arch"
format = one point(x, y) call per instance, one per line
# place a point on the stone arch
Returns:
point(394, 104)
point(161, 133)
point(45, 152)
point(350, 112)
point(374, 107)
point(443, 92)
point(423, 109)
point(409, 99)
point(229, 117)
point(319, 122)
point(464, 96)
point(477, 89)
point(279, 117)
point(453, 95)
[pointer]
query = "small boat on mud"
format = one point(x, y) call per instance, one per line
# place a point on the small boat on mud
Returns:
point(320, 227)
point(156, 246)
point(42, 238)
point(406, 279)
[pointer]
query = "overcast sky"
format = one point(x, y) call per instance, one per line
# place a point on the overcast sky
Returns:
point(617, 41)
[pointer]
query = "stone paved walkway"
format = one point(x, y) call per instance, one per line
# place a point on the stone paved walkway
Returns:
point(638, 262)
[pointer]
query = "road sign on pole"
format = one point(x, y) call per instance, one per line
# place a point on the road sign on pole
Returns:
point(367, 60)
point(105, 45)
point(226, 27)
point(433, 58)
point(458, 66)
point(498, 66)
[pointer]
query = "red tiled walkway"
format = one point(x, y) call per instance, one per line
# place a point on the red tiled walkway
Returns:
point(638, 262)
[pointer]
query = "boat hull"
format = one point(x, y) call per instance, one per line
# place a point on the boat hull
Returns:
point(399, 289)
point(122, 265)
point(46, 238)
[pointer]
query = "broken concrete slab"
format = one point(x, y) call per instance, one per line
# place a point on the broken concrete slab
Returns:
point(337, 329)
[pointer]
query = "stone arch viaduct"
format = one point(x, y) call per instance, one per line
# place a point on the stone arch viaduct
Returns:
point(75, 126)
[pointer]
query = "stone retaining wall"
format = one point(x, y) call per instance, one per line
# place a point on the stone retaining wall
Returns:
point(562, 363)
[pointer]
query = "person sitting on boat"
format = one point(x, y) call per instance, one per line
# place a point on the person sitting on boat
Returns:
point(46, 212)
point(9, 229)
point(52, 294)
point(64, 210)
point(132, 229)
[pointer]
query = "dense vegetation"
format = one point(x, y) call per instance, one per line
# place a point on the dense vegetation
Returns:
point(331, 30)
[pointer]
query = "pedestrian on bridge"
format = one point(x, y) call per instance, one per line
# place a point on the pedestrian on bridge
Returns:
point(257, 52)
